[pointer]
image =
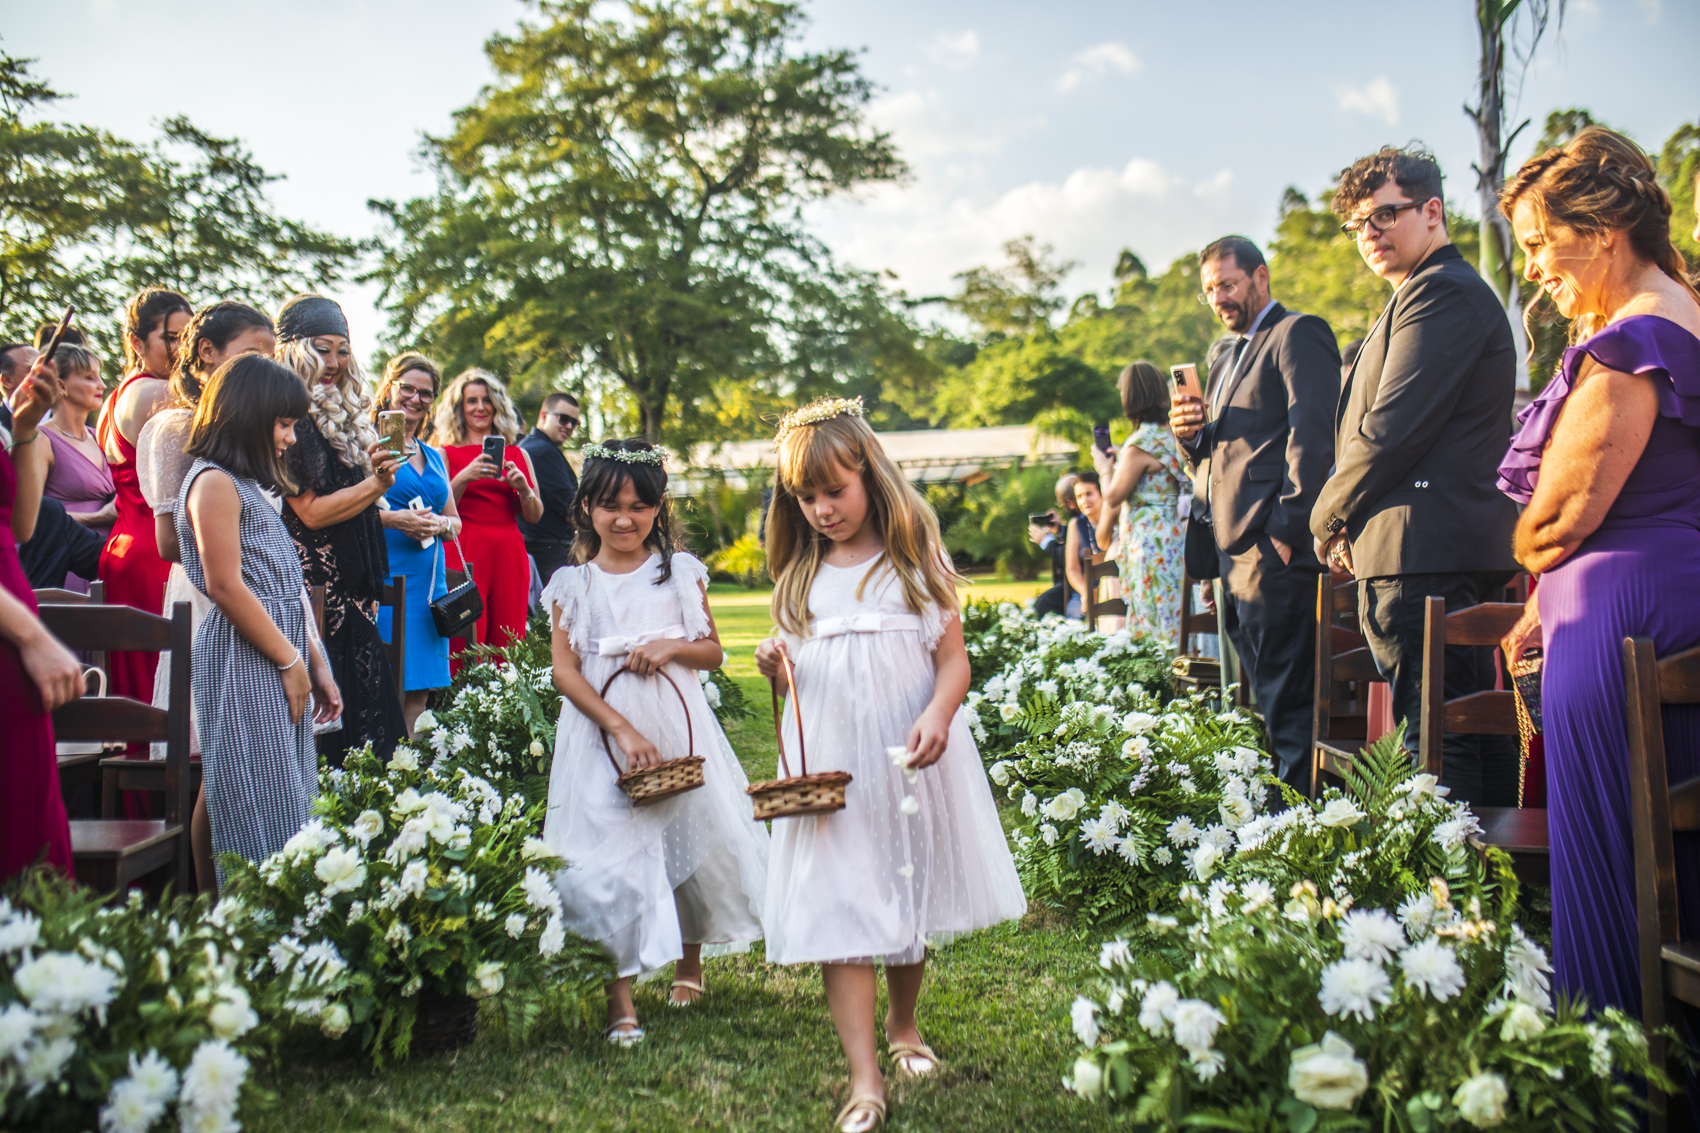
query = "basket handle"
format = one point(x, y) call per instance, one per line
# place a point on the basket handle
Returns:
point(690, 737)
point(796, 710)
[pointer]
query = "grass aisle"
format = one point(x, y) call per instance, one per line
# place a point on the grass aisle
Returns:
point(759, 1052)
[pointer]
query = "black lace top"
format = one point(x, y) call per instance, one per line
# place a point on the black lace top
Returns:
point(349, 559)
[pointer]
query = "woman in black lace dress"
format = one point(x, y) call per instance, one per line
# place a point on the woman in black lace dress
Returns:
point(341, 469)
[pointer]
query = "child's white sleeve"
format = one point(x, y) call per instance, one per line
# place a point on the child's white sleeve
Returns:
point(566, 592)
point(689, 577)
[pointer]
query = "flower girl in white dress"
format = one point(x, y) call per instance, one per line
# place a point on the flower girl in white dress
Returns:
point(865, 600)
point(651, 884)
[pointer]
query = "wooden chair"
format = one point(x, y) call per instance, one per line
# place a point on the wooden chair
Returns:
point(79, 773)
point(1670, 965)
point(1519, 831)
point(393, 596)
point(1194, 673)
point(1344, 671)
point(109, 854)
point(1097, 569)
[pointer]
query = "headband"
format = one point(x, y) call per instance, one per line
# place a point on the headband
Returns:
point(817, 411)
point(309, 316)
point(656, 456)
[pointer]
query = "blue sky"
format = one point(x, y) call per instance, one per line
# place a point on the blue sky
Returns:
point(1093, 125)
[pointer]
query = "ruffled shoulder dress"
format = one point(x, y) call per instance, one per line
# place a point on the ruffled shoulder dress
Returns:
point(644, 881)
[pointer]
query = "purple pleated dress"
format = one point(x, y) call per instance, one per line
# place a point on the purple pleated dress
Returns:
point(1637, 576)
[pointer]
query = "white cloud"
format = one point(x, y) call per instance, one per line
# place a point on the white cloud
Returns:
point(1096, 62)
point(955, 50)
point(924, 128)
point(1650, 10)
point(1376, 98)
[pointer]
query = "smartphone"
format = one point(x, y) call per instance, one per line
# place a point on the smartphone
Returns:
point(1185, 378)
point(495, 449)
point(58, 333)
point(1101, 438)
point(1040, 520)
point(392, 427)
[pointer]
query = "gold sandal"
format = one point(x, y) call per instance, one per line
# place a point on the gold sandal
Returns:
point(902, 1054)
point(861, 1103)
point(627, 1038)
point(694, 986)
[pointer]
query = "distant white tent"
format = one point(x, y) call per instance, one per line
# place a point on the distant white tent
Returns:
point(924, 455)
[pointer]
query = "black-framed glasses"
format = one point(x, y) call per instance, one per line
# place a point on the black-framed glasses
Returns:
point(1206, 296)
point(1382, 218)
point(567, 421)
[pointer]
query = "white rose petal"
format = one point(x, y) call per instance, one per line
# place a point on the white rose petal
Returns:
point(1481, 1100)
point(1088, 1079)
point(910, 805)
point(341, 870)
point(1522, 1022)
point(1328, 1074)
point(1084, 1015)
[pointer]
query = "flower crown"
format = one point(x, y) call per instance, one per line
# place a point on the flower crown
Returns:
point(656, 456)
point(817, 411)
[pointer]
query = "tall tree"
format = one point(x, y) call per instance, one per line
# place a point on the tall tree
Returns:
point(1518, 24)
point(1018, 298)
point(626, 198)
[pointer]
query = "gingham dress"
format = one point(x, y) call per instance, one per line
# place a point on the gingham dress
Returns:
point(261, 772)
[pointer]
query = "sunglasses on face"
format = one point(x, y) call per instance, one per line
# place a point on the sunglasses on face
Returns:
point(567, 421)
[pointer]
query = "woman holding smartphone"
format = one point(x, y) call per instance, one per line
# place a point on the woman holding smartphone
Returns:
point(420, 515)
point(476, 421)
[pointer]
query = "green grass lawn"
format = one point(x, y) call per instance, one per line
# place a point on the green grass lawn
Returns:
point(759, 1051)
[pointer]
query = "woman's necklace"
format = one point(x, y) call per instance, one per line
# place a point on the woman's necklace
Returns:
point(84, 444)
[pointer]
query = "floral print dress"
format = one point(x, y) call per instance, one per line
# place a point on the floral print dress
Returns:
point(1152, 539)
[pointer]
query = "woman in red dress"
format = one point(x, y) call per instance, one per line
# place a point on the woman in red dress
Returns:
point(130, 565)
point(37, 674)
point(476, 405)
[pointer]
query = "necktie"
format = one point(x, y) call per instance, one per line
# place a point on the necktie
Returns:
point(1228, 378)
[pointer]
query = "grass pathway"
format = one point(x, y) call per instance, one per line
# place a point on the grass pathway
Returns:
point(759, 1052)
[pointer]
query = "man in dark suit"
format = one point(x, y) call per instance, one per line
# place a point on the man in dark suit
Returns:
point(549, 541)
point(1424, 420)
point(1261, 447)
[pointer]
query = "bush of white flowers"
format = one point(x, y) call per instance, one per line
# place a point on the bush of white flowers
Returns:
point(1121, 806)
point(1260, 1008)
point(1058, 662)
point(997, 634)
point(410, 880)
point(130, 1018)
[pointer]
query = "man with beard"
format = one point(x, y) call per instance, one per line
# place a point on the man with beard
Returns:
point(1261, 448)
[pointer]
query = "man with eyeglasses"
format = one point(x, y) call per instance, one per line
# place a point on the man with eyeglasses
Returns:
point(1425, 417)
point(549, 541)
point(1261, 448)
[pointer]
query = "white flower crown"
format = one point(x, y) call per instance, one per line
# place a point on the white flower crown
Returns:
point(817, 411)
point(656, 456)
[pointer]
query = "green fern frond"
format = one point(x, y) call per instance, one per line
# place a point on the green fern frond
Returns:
point(1380, 768)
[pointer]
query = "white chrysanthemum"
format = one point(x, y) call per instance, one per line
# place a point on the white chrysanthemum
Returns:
point(1526, 970)
point(399, 934)
point(1522, 1022)
point(1114, 953)
point(1432, 967)
point(1157, 1006)
point(43, 1061)
point(212, 1083)
point(514, 926)
point(532, 849)
point(404, 759)
point(129, 1108)
point(1254, 833)
point(18, 931)
point(540, 892)
point(1048, 833)
point(1416, 913)
point(1452, 833)
point(1195, 1023)
point(413, 878)
point(1257, 893)
point(1183, 831)
point(155, 1075)
point(1218, 835)
point(1354, 988)
point(1481, 1100)
point(1115, 814)
point(1084, 1015)
point(17, 1024)
point(553, 937)
point(1098, 835)
point(1161, 855)
point(1207, 1063)
point(310, 839)
point(1370, 934)
point(60, 983)
point(1029, 804)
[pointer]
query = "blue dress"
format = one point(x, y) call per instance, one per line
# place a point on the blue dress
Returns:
point(427, 657)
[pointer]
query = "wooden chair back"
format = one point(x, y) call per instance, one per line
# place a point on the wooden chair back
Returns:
point(54, 596)
point(1670, 965)
point(393, 597)
point(120, 719)
point(1193, 622)
point(1344, 671)
point(1100, 567)
point(1490, 713)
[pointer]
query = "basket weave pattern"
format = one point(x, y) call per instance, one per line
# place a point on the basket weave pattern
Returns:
point(646, 785)
point(798, 795)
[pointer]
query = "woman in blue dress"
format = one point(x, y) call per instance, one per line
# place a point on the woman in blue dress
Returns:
point(418, 513)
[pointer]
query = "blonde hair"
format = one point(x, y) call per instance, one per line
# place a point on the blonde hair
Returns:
point(809, 457)
point(393, 370)
point(451, 412)
point(343, 412)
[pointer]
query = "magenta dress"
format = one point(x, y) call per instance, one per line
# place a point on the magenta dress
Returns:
point(81, 485)
point(1637, 576)
point(32, 815)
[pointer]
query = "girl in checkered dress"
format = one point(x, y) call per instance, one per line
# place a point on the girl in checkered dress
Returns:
point(256, 674)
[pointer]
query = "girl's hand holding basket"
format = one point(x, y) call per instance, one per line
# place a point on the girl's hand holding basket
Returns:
point(639, 752)
point(769, 657)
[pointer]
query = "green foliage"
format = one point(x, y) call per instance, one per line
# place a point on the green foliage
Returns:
point(1679, 165)
point(992, 523)
point(745, 560)
point(1019, 298)
point(624, 199)
point(996, 634)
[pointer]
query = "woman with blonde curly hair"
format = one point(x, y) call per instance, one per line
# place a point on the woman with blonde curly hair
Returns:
point(491, 500)
point(1605, 464)
point(340, 469)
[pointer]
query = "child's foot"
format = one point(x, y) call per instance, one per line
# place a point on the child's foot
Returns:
point(910, 1055)
point(684, 992)
point(624, 1032)
point(862, 1113)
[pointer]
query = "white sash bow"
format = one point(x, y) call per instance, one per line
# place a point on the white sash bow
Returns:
point(615, 646)
point(866, 623)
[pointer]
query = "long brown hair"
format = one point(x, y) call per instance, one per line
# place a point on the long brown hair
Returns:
point(393, 370)
point(145, 313)
point(451, 408)
point(1600, 181)
point(914, 551)
point(218, 324)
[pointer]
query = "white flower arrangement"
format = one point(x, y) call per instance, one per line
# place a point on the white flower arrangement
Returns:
point(822, 409)
point(655, 455)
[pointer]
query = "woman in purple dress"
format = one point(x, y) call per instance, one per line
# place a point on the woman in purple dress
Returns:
point(1606, 462)
point(77, 475)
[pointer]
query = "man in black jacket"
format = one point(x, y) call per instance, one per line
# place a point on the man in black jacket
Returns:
point(549, 541)
point(1424, 420)
point(1261, 448)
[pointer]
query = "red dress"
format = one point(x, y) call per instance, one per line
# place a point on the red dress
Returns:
point(32, 813)
point(130, 566)
point(489, 536)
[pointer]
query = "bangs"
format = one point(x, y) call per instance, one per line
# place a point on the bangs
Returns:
point(812, 457)
point(604, 479)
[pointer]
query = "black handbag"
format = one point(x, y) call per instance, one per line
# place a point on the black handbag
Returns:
point(459, 609)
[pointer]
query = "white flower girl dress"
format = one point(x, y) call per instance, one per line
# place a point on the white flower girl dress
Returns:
point(643, 880)
point(874, 882)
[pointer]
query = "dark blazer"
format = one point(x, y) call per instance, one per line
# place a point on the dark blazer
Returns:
point(1424, 421)
point(1267, 453)
point(556, 487)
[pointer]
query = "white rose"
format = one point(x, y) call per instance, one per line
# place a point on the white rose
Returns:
point(1000, 773)
point(333, 1024)
point(1328, 1074)
point(1481, 1100)
point(368, 826)
point(1088, 1078)
point(231, 1016)
point(1235, 812)
point(404, 759)
point(426, 722)
point(1202, 859)
point(1009, 712)
point(341, 870)
point(532, 849)
point(1067, 805)
point(1138, 723)
point(1136, 747)
point(1029, 804)
point(487, 979)
point(536, 749)
point(1048, 833)
point(1084, 1016)
point(1521, 1022)
point(1340, 812)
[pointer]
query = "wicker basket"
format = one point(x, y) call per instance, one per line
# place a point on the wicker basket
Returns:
point(646, 785)
point(801, 794)
point(444, 1023)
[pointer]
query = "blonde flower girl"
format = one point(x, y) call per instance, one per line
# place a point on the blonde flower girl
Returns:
point(865, 601)
point(651, 884)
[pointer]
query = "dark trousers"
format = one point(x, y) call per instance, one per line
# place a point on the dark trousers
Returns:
point(60, 545)
point(1052, 601)
point(1269, 614)
point(550, 555)
point(1479, 769)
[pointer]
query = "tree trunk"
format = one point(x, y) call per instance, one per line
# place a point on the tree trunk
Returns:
point(1497, 265)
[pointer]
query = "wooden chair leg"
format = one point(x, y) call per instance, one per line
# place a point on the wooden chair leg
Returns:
point(108, 793)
